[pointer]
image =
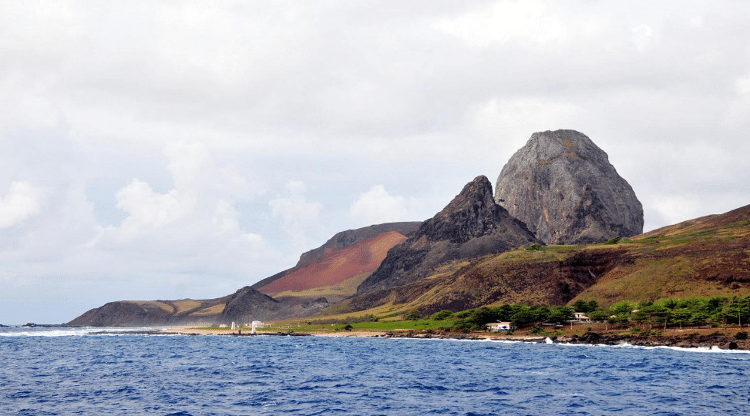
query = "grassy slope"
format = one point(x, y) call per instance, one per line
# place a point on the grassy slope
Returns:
point(708, 256)
point(345, 288)
point(186, 307)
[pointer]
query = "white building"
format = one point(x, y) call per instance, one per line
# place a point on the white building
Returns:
point(581, 317)
point(500, 326)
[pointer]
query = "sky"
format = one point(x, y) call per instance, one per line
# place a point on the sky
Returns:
point(170, 150)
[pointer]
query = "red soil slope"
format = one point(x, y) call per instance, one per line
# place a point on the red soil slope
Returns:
point(339, 265)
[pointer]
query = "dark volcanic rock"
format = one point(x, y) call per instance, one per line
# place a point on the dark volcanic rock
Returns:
point(123, 313)
point(247, 304)
point(564, 188)
point(472, 225)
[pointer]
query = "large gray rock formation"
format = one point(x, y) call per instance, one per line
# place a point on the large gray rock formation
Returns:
point(564, 188)
point(471, 225)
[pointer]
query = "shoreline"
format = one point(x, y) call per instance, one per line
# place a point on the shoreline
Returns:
point(691, 340)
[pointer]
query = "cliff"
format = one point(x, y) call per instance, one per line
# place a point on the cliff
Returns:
point(563, 187)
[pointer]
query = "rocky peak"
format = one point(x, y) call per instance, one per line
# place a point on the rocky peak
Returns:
point(248, 304)
point(563, 187)
point(471, 225)
point(472, 213)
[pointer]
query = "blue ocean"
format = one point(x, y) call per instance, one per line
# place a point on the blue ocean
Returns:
point(53, 371)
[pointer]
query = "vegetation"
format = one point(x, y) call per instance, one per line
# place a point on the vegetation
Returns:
point(534, 247)
point(643, 318)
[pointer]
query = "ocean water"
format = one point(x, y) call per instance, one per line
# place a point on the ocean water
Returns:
point(73, 371)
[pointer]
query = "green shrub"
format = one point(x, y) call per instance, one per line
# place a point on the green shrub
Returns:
point(534, 247)
point(740, 335)
point(413, 315)
point(439, 316)
point(613, 240)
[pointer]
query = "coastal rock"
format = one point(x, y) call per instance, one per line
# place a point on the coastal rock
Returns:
point(124, 313)
point(563, 187)
point(471, 225)
point(247, 304)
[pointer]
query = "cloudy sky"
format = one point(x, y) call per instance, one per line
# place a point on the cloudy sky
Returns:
point(165, 150)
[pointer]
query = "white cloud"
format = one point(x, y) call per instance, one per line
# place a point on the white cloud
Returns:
point(6, 275)
point(642, 36)
point(376, 206)
point(190, 230)
point(743, 85)
point(21, 202)
point(736, 114)
point(504, 125)
point(527, 22)
point(298, 217)
point(148, 209)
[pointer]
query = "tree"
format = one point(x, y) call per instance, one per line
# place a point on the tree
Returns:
point(522, 316)
point(559, 314)
point(737, 310)
point(699, 317)
point(581, 306)
point(482, 316)
point(619, 319)
point(540, 313)
point(623, 307)
point(598, 315)
point(413, 315)
point(715, 304)
point(641, 315)
point(439, 316)
point(681, 316)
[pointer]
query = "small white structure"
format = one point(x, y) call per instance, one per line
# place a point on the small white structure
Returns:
point(581, 317)
point(500, 326)
point(234, 326)
point(222, 325)
point(256, 324)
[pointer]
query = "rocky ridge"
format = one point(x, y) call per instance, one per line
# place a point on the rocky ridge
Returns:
point(563, 187)
point(247, 304)
point(471, 225)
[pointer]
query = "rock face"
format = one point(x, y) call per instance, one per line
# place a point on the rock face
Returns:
point(564, 188)
point(247, 304)
point(472, 225)
point(122, 314)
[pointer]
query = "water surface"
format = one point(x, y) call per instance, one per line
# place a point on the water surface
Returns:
point(71, 371)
